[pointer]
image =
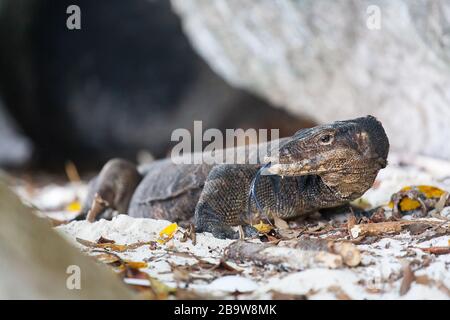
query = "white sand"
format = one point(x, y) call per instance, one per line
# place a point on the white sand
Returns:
point(378, 276)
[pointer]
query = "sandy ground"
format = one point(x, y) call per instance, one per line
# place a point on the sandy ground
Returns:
point(391, 266)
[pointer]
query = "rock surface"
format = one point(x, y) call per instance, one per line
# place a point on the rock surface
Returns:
point(36, 262)
point(328, 60)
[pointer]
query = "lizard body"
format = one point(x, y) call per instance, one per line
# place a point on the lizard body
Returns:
point(321, 167)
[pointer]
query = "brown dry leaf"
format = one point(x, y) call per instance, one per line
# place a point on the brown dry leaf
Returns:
point(378, 216)
point(280, 223)
point(111, 245)
point(389, 227)
point(72, 172)
point(277, 295)
point(225, 268)
point(373, 290)
point(108, 258)
point(180, 273)
point(189, 234)
point(424, 280)
point(408, 278)
point(339, 293)
point(157, 290)
point(133, 273)
point(104, 240)
point(351, 222)
point(153, 245)
point(136, 245)
point(437, 250)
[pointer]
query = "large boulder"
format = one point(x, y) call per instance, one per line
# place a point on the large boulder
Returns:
point(329, 60)
point(38, 263)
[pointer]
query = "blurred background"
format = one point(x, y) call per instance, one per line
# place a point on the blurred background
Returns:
point(139, 69)
point(117, 87)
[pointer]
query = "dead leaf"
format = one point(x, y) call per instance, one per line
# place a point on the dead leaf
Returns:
point(339, 293)
point(109, 258)
point(408, 278)
point(225, 268)
point(389, 227)
point(104, 240)
point(111, 246)
point(351, 222)
point(437, 250)
point(378, 216)
point(135, 264)
point(277, 295)
point(167, 233)
point(74, 206)
point(263, 227)
point(72, 172)
point(280, 223)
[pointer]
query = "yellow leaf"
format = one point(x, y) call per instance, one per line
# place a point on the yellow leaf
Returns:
point(361, 203)
point(161, 290)
point(167, 233)
point(74, 206)
point(136, 264)
point(407, 204)
point(263, 227)
point(430, 191)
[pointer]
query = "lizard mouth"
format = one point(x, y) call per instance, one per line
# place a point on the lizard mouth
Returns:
point(273, 167)
point(308, 167)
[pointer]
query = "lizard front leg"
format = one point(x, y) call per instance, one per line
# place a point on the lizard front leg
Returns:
point(223, 202)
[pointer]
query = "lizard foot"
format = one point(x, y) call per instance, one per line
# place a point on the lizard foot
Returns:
point(223, 231)
point(206, 220)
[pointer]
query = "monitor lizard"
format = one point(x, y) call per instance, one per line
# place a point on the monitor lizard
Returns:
point(317, 168)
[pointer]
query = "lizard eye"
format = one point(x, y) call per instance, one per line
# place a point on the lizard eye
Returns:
point(326, 139)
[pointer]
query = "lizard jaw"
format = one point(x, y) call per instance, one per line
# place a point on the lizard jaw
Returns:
point(287, 169)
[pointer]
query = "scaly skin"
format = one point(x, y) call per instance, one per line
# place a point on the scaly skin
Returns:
point(322, 167)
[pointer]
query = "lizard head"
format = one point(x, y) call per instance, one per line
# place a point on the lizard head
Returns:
point(358, 145)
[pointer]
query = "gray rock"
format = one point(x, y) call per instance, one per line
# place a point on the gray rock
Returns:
point(323, 59)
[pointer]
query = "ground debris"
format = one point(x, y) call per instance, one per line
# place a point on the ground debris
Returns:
point(436, 250)
point(298, 254)
point(408, 278)
point(389, 227)
point(112, 245)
